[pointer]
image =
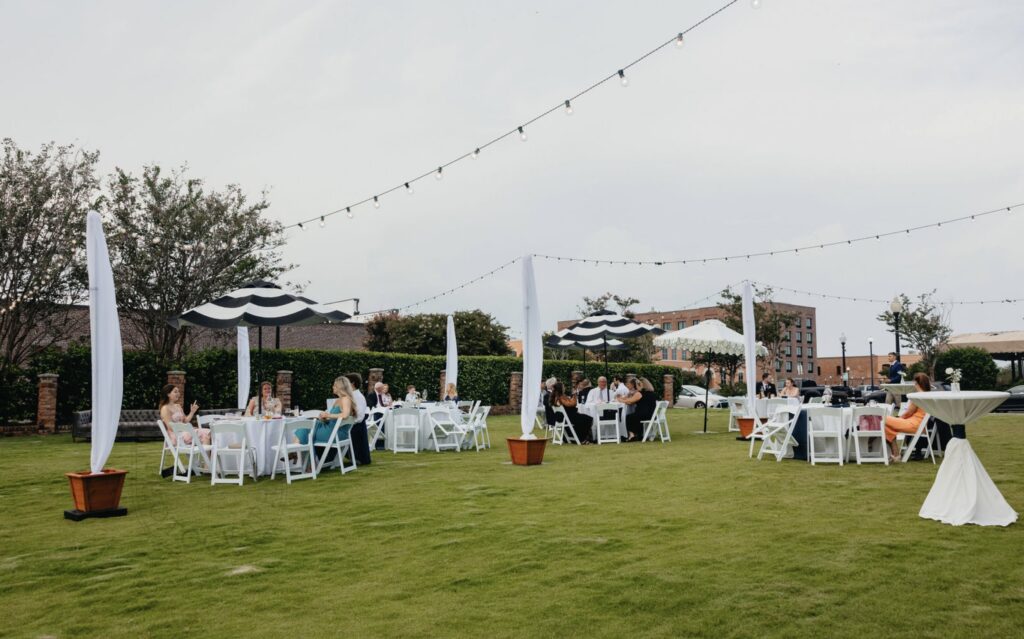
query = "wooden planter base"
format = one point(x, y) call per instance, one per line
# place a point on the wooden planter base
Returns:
point(746, 425)
point(526, 452)
point(96, 495)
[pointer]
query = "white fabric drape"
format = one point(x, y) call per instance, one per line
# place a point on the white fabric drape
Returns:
point(244, 374)
point(750, 346)
point(963, 492)
point(533, 351)
point(451, 365)
point(105, 331)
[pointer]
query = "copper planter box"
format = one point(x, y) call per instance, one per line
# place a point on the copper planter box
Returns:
point(526, 452)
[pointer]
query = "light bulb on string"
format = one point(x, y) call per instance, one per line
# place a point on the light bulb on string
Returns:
point(376, 202)
point(301, 227)
point(568, 108)
point(623, 80)
point(475, 154)
point(522, 134)
point(409, 189)
point(679, 41)
point(755, 4)
point(439, 174)
point(348, 212)
point(322, 221)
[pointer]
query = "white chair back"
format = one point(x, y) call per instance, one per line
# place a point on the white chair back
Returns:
point(403, 430)
point(778, 434)
point(288, 446)
point(867, 431)
point(444, 430)
point(826, 433)
point(229, 439)
point(564, 429)
point(737, 409)
point(606, 423)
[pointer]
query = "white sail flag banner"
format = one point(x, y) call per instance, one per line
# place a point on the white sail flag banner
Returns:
point(451, 364)
point(533, 351)
point(750, 347)
point(243, 367)
point(105, 332)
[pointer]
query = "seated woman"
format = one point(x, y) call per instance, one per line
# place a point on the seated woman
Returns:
point(450, 393)
point(343, 409)
point(410, 393)
point(581, 423)
point(646, 401)
point(385, 398)
point(170, 411)
point(909, 421)
point(790, 389)
point(629, 394)
point(271, 404)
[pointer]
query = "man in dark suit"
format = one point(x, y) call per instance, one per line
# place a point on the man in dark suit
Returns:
point(582, 391)
point(376, 398)
point(765, 387)
point(895, 368)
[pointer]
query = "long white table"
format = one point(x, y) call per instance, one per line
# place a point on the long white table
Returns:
point(590, 410)
point(963, 493)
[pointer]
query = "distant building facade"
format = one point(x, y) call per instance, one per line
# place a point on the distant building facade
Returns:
point(860, 367)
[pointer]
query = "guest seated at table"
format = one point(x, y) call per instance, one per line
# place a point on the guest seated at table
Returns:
point(451, 394)
point(379, 398)
point(360, 438)
point(909, 421)
point(271, 404)
point(344, 409)
point(602, 394)
point(583, 390)
point(170, 411)
point(581, 423)
point(387, 396)
point(645, 402)
point(619, 389)
point(765, 388)
point(410, 393)
point(790, 389)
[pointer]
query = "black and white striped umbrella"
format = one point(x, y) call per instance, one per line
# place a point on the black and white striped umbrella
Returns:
point(258, 304)
point(559, 341)
point(608, 325)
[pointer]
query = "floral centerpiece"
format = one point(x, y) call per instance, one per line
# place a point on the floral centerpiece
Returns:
point(954, 375)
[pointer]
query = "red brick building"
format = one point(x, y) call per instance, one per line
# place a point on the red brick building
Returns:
point(860, 367)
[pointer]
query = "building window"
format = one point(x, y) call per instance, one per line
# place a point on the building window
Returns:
point(799, 351)
point(810, 337)
point(786, 337)
point(807, 323)
point(810, 368)
point(778, 366)
point(681, 325)
point(667, 326)
point(839, 370)
point(810, 351)
point(664, 353)
point(789, 366)
point(799, 368)
point(695, 322)
point(673, 354)
point(799, 336)
point(788, 351)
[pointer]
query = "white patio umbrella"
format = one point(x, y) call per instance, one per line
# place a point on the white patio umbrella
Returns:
point(451, 364)
point(711, 337)
point(533, 351)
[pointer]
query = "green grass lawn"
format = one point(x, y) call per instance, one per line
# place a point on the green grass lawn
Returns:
point(688, 538)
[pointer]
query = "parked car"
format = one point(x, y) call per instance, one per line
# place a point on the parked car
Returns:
point(693, 397)
point(1014, 403)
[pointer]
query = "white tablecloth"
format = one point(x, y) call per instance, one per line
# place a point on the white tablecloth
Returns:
point(590, 410)
point(261, 434)
point(963, 493)
point(425, 426)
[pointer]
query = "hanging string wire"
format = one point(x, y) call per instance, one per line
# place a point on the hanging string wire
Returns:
point(846, 298)
point(1005, 209)
point(517, 130)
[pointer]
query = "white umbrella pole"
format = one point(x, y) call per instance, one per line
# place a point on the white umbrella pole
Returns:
point(533, 351)
point(750, 347)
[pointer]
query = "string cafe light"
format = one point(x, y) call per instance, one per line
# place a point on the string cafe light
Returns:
point(439, 175)
point(409, 189)
point(679, 41)
point(376, 202)
point(623, 80)
point(568, 108)
point(348, 212)
point(522, 134)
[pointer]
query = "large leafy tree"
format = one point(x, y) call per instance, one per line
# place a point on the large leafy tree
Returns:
point(44, 198)
point(176, 244)
point(476, 332)
point(923, 327)
point(770, 322)
point(640, 349)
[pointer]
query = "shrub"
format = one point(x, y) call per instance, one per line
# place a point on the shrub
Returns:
point(979, 370)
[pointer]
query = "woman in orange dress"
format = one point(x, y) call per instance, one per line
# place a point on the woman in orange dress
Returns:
point(909, 421)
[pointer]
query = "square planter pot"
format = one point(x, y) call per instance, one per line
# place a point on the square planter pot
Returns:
point(96, 495)
point(746, 425)
point(526, 452)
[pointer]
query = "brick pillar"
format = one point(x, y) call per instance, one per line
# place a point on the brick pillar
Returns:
point(576, 377)
point(46, 408)
point(177, 378)
point(440, 395)
point(515, 391)
point(376, 375)
point(668, 383)
point(629, 376)
point(283, 383)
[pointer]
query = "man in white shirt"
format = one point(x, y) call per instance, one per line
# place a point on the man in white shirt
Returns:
point(620, 388)
point(360, 441)
point(602, 394)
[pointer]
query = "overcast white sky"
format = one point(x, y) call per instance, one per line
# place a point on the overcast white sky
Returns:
point(803, 121)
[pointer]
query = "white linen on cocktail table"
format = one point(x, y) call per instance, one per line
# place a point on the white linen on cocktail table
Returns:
point(963, 492)
point(426, 427)
point(261, 434)
point(590, 410)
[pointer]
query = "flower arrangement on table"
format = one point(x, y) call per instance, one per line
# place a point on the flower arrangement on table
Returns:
point(903, 376)
point(954, 374)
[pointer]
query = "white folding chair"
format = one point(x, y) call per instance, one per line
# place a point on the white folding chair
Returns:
point(657, 425)
point(864, 434)
point(168, 446)
point(825, 435)
point(778, 433)
point(737, 409)
point(340, 443)
point(375, 425)
point(563, 429)
point(927, 431)
point(288, 445)
point(330, 403)
point(480, 429)
point(238, 447)
point(193, 449)
point(444, 427)
point(606, 423)
point(540, 419)
point(403, 422)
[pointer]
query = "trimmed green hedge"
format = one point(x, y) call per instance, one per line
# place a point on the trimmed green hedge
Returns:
point(978, 368)
point(211, 377)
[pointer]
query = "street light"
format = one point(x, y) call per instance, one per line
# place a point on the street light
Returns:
point(842, 341)
point(896, 306)
point(870, 354)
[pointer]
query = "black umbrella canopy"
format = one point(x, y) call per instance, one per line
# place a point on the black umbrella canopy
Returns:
point(607, 325)
point(258, 304)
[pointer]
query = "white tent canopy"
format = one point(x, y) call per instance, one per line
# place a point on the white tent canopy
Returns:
point(710, 336)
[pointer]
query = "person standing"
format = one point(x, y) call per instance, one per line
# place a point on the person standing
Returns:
point(895, 368)
point(360, 440)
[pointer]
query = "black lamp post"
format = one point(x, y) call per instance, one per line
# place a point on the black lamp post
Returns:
point(896, 306)
point(842, 342)
point(871, 356)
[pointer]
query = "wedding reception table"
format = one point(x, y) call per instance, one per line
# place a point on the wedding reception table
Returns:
point(590, 410)
point(900, 389)
point(261, 434)
point(963, 493)
point(426, 427)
